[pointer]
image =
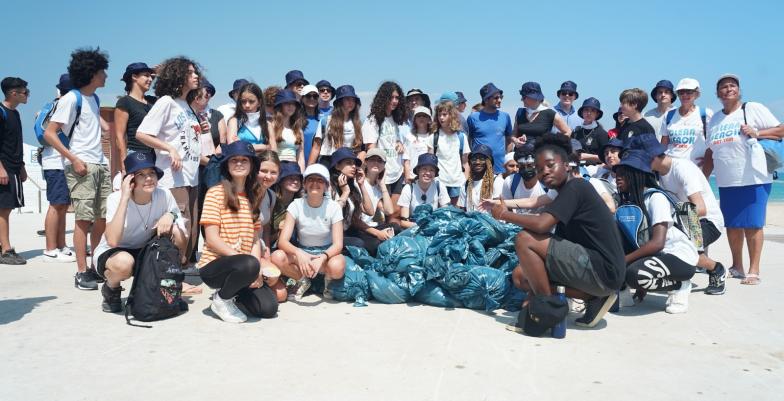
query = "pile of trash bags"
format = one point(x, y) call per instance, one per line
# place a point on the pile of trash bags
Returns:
point(451, 259)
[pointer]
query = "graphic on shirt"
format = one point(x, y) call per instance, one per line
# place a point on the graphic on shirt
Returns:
point(724, 133)
point(682, 138)
point(187, 139)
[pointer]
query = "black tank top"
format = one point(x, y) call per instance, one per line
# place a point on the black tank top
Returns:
point(542, 124)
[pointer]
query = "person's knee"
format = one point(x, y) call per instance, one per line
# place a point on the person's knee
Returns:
point(121, 265)
point(636, 280)
point(336, 267)
point(248, 266)
point(523, 239)
point(279, 258)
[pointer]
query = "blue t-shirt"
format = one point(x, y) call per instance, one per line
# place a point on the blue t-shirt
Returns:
point(490, 129)
point(324, 112)
point(308, 134)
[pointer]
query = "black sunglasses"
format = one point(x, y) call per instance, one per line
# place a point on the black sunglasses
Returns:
point(325, 90)
point(565, 93)
point(311, 96)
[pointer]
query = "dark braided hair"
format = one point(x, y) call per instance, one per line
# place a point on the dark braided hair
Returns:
point(636, 183)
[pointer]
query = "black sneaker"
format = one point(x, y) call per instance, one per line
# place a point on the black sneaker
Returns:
point(595, 309)
point(95, 276)
point(84, 281)
point(10, 257)
point(716, 279)
point(41, 233)
point(112, 302)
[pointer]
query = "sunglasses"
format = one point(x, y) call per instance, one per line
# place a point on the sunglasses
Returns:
point(311, 96)
point(565, 93)
point(325, 90)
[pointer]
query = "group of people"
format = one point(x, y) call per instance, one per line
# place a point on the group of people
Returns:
point(280, 180)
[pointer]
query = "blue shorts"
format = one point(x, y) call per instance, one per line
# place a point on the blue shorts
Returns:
point(453, 192)
point(744, 207)
point(56, 187)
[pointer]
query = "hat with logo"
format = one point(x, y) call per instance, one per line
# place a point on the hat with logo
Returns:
point(137, 161)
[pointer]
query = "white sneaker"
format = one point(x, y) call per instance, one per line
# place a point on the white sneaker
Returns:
point(55, 256)
point(625, 298)
point(576, 305)
point(227, 310)
point(679, 299)
point(67, 251)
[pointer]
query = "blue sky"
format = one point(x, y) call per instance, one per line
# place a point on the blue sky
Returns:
point(603, 46)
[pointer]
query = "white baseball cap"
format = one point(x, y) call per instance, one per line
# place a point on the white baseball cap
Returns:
point(731, 76)
point(307, 89)
point(688, 84)
point(317, 169)
point(422, 110)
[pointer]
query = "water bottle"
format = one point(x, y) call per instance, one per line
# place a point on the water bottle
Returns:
point(559, 330)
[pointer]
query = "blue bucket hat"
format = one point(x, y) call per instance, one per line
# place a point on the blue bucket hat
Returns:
point(593, 103)
point(488, 91)
point(285, 96)
point(666, 84)
point(646, 143)
point(342, 154)
point(325, 84)
point(209, 87)
point(426, 159)
point(460, 97)
point(289, 169)
point(568, 86)
point(345, 91)
point(612, 143)
point(239, 148)
point(482, 150)
point(137, 161)
point(238, 83)
point(448, 97)
point(135, 68)
point(636, 159)
point(65, 83)
point(532, 90)
point(294, 76)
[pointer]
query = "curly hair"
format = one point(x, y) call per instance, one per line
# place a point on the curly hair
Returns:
point(85, 63)
point(559, 144)
point(297, 123)
point(486, 192)
point(378, 109)
point(454, 123)
point(269, 94)
point(172, 75)
point(337, 119)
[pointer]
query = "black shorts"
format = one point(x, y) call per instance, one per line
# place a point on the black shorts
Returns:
point(12, 194)
point(709, 232)
point(100, 267)
point(396, 188)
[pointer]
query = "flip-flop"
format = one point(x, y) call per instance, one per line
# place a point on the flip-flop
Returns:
point(735, 273)
point(751, 279)
point(192, 290)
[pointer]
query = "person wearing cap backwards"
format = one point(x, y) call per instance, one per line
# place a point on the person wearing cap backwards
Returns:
point(450, 145)
point(12, 168)
point(481, 183)
point(567, 95)
point(425, 190)
point(310, 105)
point(326, 93)
point(131, 108)
point(491, 126)
point(318, 222)
point(664, 96)
point(295, 81)
point(228, 109)
point(666, 262)
point(535, 119)
point(590, 133)
point(632, 103)
point(585, 254)
point(744, 184)
point(685, 128)
point(286, 128)
point(341, 128)
point(135, 214)
point(417, 140)
point(231, 261)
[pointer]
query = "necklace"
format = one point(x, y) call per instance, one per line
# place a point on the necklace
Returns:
point(146, 220)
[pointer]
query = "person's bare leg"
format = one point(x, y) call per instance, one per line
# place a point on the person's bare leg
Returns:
point(95, 235)
point(706, 263)
point(735, 240)
point(119, 267)
point(51, 226)
point(754, 240)
point(4, 224)
point(61, 211)
point(531, 249)
point(80, 242)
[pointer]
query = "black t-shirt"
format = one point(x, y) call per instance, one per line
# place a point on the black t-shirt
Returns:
point(584, 219)
point(593, 140)
point(630, 129)
point(136, 111)
point(11, 142)
point(541, 125)
point(215, 119)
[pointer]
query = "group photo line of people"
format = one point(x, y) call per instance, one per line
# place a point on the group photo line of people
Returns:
point(278, 201)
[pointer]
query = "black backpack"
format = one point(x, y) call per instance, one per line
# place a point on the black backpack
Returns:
point(156, 292)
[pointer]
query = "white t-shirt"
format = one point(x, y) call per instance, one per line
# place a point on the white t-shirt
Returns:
point(416, 145)
point(521, 192)
point(51, 159)
point(227, 110)
point(326, 144)
point(686, 135)
point(608, 175)
point(375, 195)
point(287, 149)
point(450, 163)
point(731, 150)
point(676, 242)
point(476, 195)
point(656, 120)
point(314, 225)
point(390, 134)
point(599, 186)
point(435, 197)
point(135, 235)
point(173, 121)
point(685, 179)
point(85, 142)
point(266, 206)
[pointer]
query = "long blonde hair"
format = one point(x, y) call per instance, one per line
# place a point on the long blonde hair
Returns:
point(454, 117)
point(335, 129)
point(297, 121)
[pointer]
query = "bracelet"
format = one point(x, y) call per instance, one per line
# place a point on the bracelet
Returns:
point(325, 254)
point(174, 216)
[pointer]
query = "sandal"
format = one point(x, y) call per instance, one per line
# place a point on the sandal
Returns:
point(751, 279)
point(188, 289)
point(736, 273)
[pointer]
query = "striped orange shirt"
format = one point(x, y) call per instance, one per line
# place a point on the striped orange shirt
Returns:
point(236, 229)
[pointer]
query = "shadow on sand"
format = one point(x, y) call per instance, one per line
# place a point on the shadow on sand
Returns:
point(12, 310)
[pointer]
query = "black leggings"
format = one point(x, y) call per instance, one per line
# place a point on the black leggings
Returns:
point(371, 243)
point(663, 272)
point(233, 274)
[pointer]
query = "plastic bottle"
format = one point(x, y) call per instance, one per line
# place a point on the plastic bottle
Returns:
point(559, 330)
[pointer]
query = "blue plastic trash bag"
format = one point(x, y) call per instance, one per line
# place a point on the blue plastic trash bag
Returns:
point(513, 301)
point(454, 242)
point(477, 287)
point(353, 287)
point(435, 267)
point(360, 256)
point(415, 278)
point(492, 233)
point(386, 290)
point(397, 253)
point(432, 294)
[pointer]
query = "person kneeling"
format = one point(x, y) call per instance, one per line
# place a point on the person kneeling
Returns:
point(134, 215)
point(585, 255)
point(230, 260)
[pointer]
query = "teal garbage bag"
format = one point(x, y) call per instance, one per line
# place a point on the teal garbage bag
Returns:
point(398, 253)
point(477, 287)
point(353, 287)
point(492, 231)
point(390, 289)
point(432, 294)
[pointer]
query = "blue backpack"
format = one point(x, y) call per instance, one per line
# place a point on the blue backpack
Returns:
point(635, 225)
point(46, 112)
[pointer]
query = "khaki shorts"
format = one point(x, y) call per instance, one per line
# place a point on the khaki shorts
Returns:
point(89, 192)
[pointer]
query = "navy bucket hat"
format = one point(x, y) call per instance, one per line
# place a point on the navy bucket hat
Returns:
point(239, 148)
point(325, 84)
point(426, 159)
point(65, 83)
point(488, 91)
point(294, 76)
point(345, 91)
point(344, 154)
point(285, 96)
point(209, 87)
point(289, 169)
point(460, 97)
point(636, 159)
point(532, 90)
point(666, 84)
point(646, 143)
point(593, 103)
point(568, 86)
point(137, 161)
point(135, 68)
point(613, 143)
point(238, 83)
